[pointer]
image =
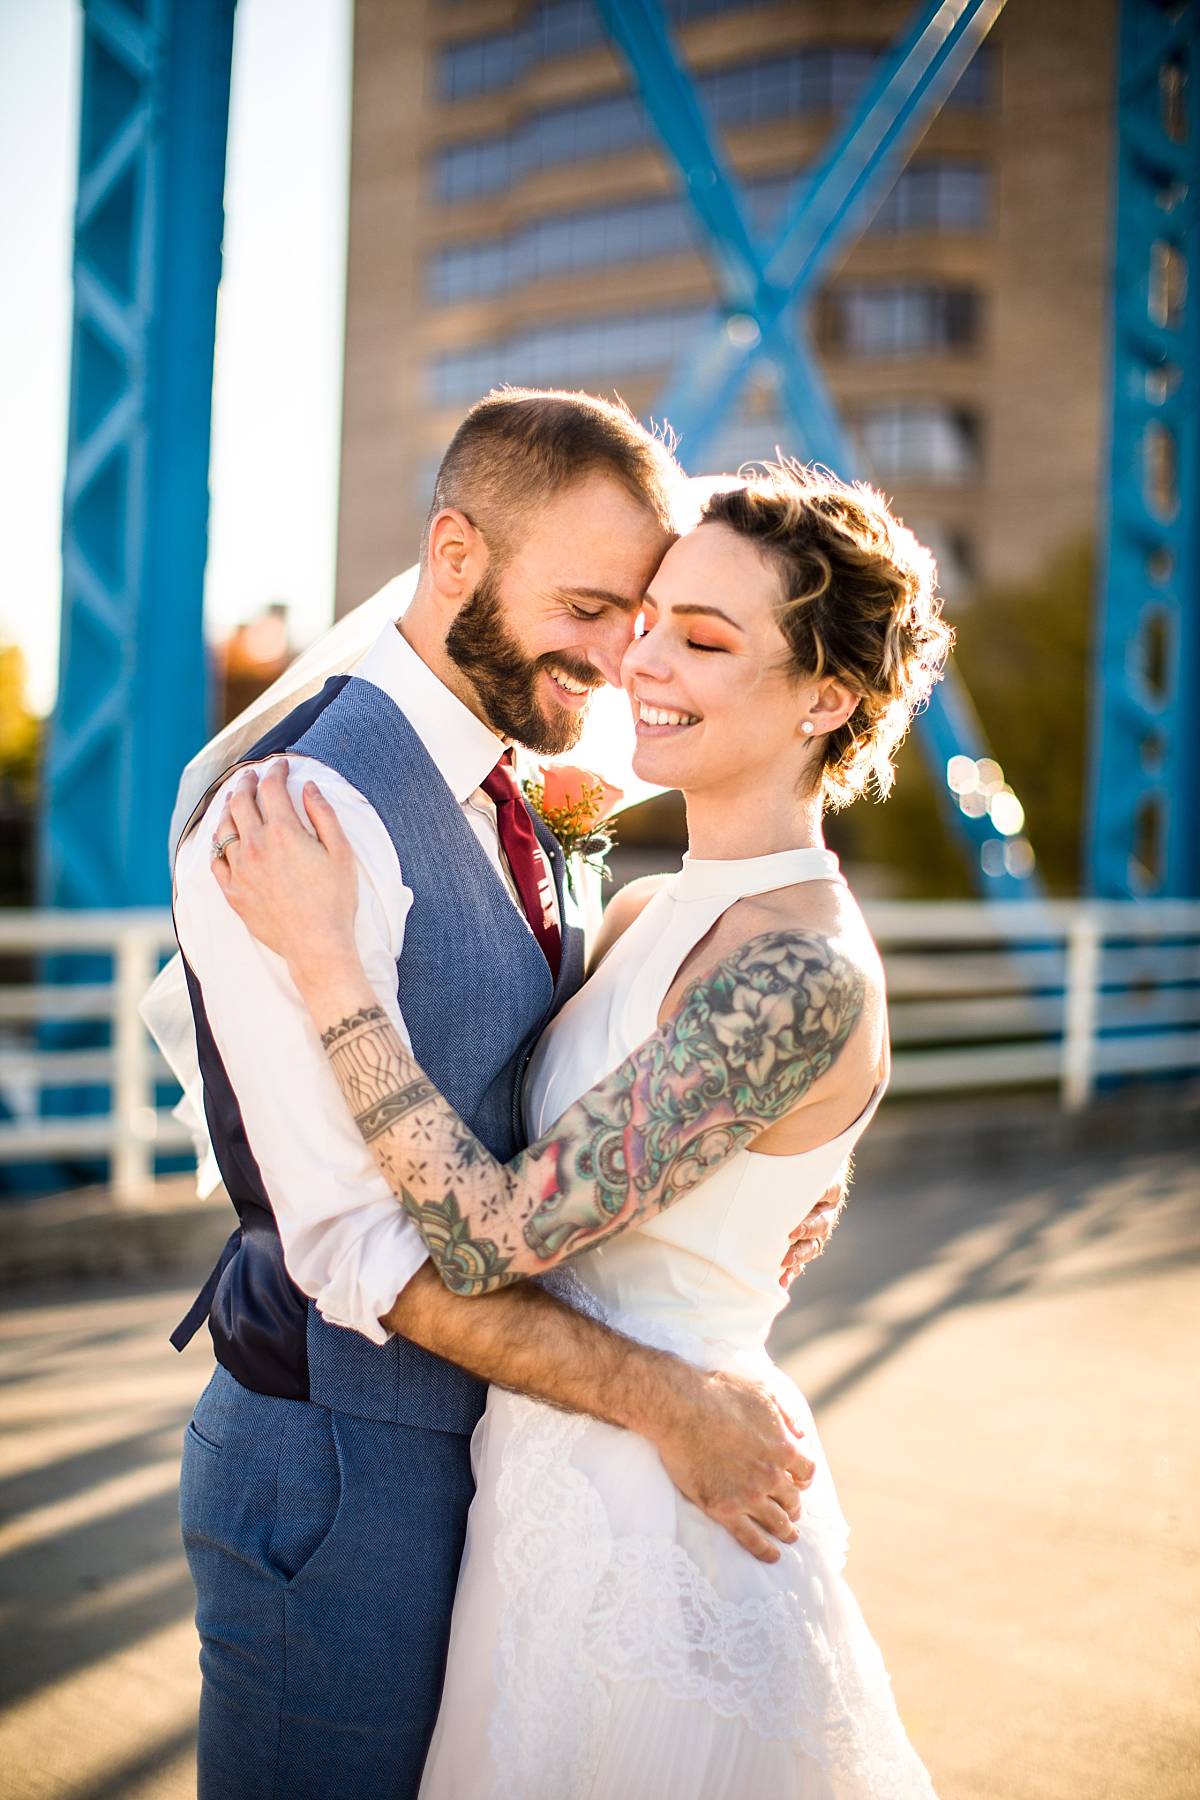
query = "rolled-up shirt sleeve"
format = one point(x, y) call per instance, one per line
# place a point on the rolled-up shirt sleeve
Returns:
point(347, 1242)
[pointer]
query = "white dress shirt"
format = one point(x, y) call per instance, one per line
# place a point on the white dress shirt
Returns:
point(347, 1241)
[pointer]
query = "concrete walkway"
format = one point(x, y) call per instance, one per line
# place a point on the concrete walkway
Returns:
point(1003, 1364)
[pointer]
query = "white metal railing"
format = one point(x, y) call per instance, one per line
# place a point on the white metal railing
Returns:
point(985, 995)
point(130, 1128)
point(982, 995)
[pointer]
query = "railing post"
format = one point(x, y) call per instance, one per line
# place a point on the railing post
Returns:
point(1080, 1008)
point(133, 1093)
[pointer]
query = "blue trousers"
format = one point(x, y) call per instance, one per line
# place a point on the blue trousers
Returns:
point(325, 1551)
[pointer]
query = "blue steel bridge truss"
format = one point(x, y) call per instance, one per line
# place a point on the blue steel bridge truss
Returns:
point(133, 691)
point(133, 688)
point(762, 286)
point(1145, 773)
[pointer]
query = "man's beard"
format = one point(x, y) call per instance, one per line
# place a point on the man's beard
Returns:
point(506, 679)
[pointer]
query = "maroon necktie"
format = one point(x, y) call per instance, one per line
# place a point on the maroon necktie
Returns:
point(521, 852)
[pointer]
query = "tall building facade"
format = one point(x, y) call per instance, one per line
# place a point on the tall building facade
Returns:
point(512, 219)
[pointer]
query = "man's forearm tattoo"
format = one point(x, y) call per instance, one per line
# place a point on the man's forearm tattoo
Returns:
point(371, 1066)
point(368, 1016)
point(748, 1041)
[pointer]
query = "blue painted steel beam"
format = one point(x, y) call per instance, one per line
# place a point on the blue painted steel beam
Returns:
point(133, 690)
point(831, 203)
point(1145, 774)
point(760, 287)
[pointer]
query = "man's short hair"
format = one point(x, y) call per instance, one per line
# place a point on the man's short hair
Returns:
point(517, 447)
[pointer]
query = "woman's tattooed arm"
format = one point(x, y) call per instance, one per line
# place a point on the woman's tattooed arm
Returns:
point(747, 1043)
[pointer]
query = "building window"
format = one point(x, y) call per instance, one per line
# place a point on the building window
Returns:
point(818, 79)
point(563, 28)
point(976, 86)
point(643, 230)
point(553, 28)
point(568, 353)
point(481, 166)
point(954, 553)
point(562, 244)
point(480, 65)
point(567, 134)
point(745, 440)
point(936, 197)
point(898, 318)
point(920, 440)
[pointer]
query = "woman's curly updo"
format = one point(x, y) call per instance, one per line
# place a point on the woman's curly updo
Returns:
point(859, 602)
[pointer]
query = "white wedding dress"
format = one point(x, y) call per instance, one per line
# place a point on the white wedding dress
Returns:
point(609, 1641)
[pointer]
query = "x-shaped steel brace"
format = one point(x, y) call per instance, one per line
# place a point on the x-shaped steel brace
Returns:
point(760, 286)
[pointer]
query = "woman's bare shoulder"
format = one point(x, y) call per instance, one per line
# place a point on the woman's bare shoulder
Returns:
point(626, 905)
point(815, 909)
point(827, 923)
point(826, 916)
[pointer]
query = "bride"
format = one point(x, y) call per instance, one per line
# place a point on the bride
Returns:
point(712, 1076)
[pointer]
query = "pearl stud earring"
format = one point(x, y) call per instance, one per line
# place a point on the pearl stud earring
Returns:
point(808, 727)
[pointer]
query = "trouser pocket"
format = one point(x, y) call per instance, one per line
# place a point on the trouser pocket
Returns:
point(259, 1493)
point(308, 1491)
point(201, 1438)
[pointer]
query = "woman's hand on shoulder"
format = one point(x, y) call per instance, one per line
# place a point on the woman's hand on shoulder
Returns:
point(295, 886)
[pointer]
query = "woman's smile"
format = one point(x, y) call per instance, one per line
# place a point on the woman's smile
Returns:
point(661, 721)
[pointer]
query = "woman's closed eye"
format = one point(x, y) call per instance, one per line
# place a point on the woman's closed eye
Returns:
point(715, 649)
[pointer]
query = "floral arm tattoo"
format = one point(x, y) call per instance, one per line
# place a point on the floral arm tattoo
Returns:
point(746, 1044)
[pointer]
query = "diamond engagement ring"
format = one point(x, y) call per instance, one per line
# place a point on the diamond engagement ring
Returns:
point(222, 846)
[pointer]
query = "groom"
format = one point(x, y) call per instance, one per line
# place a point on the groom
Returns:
point(326, 1473)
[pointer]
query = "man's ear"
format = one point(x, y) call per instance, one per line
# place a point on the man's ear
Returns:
point(456, 558)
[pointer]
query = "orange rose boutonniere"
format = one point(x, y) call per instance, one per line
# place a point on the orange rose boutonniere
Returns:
point(577, 805)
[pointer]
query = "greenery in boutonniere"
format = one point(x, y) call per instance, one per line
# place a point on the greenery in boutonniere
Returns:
point(577, 805)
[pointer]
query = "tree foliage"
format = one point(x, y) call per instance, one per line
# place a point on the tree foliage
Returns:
point(20, 728)
point(1024, 654)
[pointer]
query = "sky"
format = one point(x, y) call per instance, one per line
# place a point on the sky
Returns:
point(277, 392)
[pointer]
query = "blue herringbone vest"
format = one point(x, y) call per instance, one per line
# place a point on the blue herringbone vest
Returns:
point(474, 991)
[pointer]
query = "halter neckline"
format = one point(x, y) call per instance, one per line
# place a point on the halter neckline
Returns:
point(738, 877)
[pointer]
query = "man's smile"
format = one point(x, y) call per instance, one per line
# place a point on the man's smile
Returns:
point(568, 690)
